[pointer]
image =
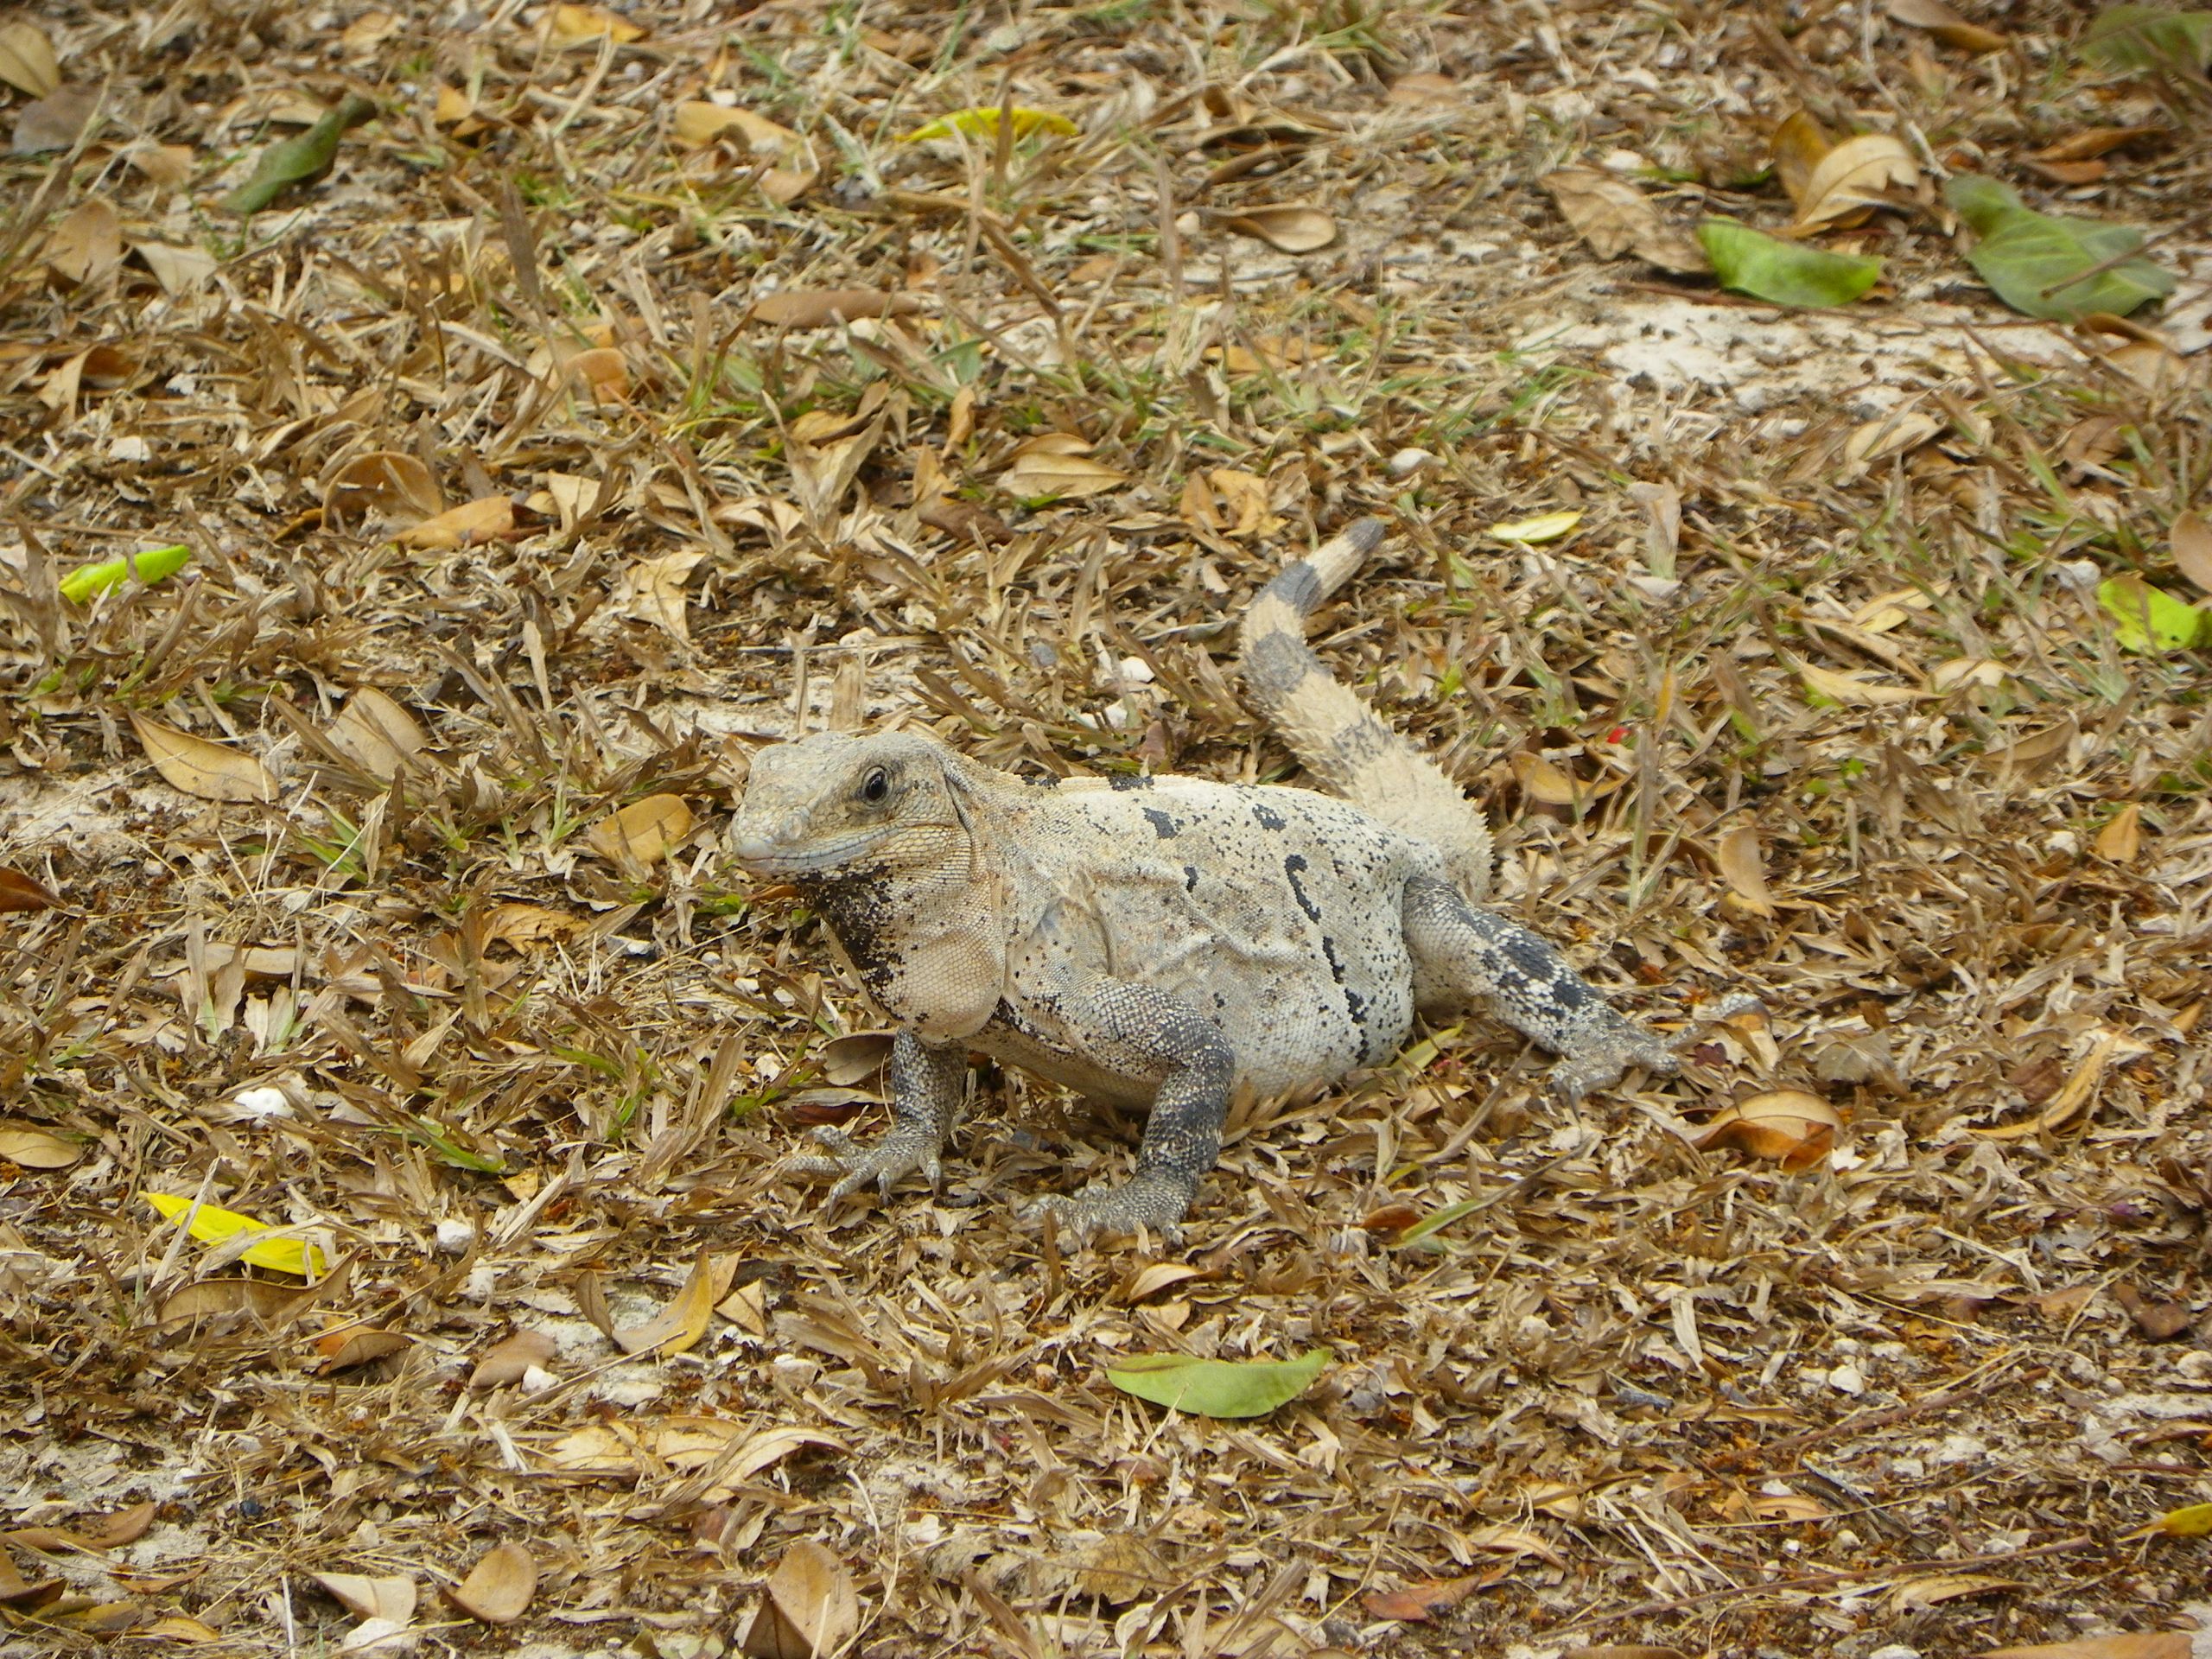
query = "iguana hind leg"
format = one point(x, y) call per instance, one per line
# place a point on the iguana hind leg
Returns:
point(1141, 1031)
point(926, 1086)
point(1462, 955)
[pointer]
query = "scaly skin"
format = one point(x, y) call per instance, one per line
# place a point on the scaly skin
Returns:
point(1162, 942)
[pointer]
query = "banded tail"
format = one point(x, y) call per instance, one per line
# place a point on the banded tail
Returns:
point(1337, 736)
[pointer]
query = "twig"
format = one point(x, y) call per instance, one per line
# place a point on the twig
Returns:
point(1824, 1581)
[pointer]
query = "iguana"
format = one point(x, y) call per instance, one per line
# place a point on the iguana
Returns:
point(1162, 941)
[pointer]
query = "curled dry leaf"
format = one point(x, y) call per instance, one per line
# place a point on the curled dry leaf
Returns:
point(809, 1610)
point(1893, 434)
point(678, 1327)
point(1742, 867)
point(1788, 1125)
point(487, 519)
point(1040, 473)
point(201, 768)
point(789, 168)
point(1850, 179)
point(511, 1358)
point(499, 1587)
point(376, 733)
point(856, 1057)
point(642, 832)
point(1415, 1604)
point(391, 1598)
point(19, 891)
point(817, 308)
point(86, 246)
point(55, 122)
point(1947, 26)
point(1916, 1594)
point(651, 591)
point(1852, 689)
point(1288, 226)
point(2071, 1098)
point(2191, 544)
point(385, 484)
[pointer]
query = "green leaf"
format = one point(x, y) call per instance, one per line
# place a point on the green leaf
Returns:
point(155, 564)
point(2047, 266)
point(2150, 39)
point(2144, 618)
point(1788, 273)
point(1217, 1388)
point(299, 160)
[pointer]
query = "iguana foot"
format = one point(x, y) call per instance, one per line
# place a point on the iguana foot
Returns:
point(1603, 1054)
point(898, 1153)
point(1150, 1200)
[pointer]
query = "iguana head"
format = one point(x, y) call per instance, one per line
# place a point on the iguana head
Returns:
point(843, 802)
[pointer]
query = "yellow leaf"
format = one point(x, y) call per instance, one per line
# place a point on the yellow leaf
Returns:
point(678, 1327)
point(642, 831)
point(573, 25)
point(211, 1224)
point(1545, 527)
point(2193, 1522)
point(975, 121)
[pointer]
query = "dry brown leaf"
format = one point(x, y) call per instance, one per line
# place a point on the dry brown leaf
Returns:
point(1850, 179)
point(208, 1298)
point(36, 1149)
point(487, 519)
point(1852, 689)
point(2122, 836)
point(855, 1057)
point(2069, 1099)
point(1155, 1277)
point(1798, 144)
point(377, 734)
point(2141, 1644)
point(1289, 227)
point(522, 925)
point(511, 1358)
point(1041, 474)
point(818, 307)
point(1624, 1650)
point(810, 1609)
point(641, 833)
point(2093, 141)
point(201, 768)
point(1785, 1124)
point(387, 484)
point(587, 25)
point(1916, 1594)
point(27, 61)
point(86, 246)
point(499, 1587)
point(124, 1527)
point(1947, 25)
point(1878, 440)
point(651, 591)
point(1415, 1604)
point(55, 122)
point(1424, 87)
point(2157, 1321)
point(391, 1597)
point(1551, 786)
point(678, 1327)
point(1743, 870)
point(180, 1627)
point(19, 891)
point(179, 270)
point(352, 1346)
point(2191, 544)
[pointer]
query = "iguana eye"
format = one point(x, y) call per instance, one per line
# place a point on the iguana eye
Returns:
point(875, 786)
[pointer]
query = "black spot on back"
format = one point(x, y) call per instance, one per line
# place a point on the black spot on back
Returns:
point(1163, 824)
point(1130, 780)
point(1329, 955)
point(1291, 866)
point(1189, 877)
point(1265, 816)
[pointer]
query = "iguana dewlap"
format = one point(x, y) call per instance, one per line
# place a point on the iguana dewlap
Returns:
point(1162, 942)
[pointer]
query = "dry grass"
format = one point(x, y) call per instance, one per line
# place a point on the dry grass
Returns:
point(1648, 1392)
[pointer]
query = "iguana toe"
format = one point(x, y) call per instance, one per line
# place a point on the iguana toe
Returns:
point(1148, 1201)
point(857, 1166)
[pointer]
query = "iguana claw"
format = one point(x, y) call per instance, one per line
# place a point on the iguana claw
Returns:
point(856, 1166)
point(1147, 1201)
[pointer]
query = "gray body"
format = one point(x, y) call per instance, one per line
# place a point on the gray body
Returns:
point(1162, 942)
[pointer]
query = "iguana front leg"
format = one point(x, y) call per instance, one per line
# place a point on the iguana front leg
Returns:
point(926, 1086)
point(1464, 954)
point(1143, 1033)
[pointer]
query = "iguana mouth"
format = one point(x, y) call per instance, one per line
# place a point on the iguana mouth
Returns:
point(762, 856)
